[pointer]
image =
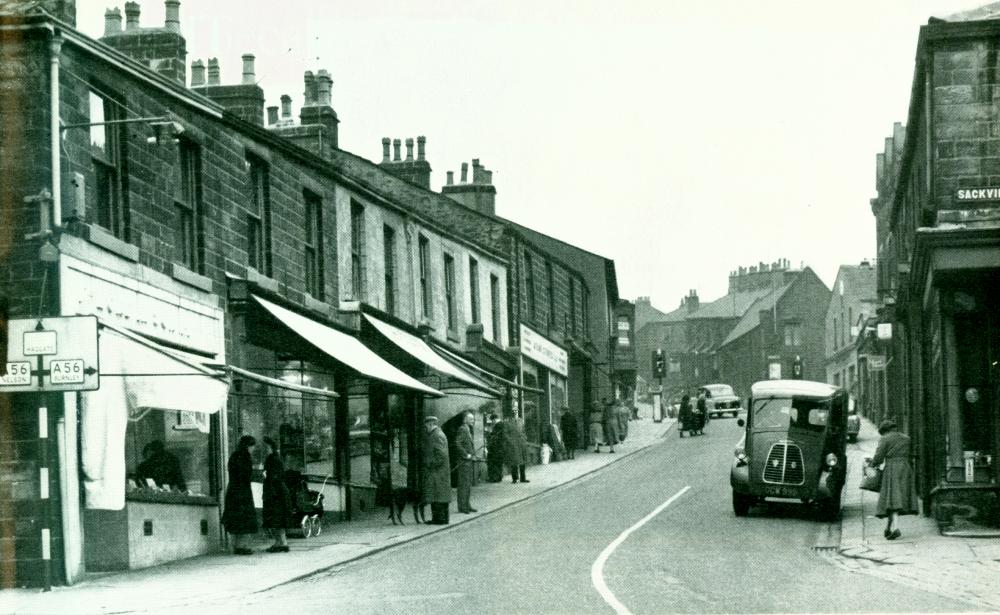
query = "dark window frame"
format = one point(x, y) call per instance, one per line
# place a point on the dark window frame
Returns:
point(389, 267)
point(550, 283)
point(189, 230)
point(495, 307)
point(315, 276)
point(474, 290)
point(109, 164)
point(357, 250)
point(451, 317)
point(529, 286)
point(259, 254)
point(424, 258)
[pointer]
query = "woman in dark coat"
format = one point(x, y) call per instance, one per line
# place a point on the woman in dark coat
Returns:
point(277, 514)
point(685, 414)
point(896, 495)
point(494, 450)
point(570, 433)
point(239, 516)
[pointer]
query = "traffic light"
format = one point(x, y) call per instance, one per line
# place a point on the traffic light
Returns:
point(797, 368)
point(659, 365)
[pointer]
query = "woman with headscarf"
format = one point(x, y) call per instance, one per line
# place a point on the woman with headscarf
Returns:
point(595, 421)
point(277, 513)
point(896, 495)
point(239, 515)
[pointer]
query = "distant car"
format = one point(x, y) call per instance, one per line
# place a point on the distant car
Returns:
point(853, 422)
point(720, 399)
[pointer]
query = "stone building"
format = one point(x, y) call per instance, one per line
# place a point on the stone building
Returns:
point(852, 302)
point(938, 231)
point(780, 330)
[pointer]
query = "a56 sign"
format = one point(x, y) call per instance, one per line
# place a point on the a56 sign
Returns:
point(18, 374)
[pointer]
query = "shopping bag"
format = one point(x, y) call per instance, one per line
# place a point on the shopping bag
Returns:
point(872, 479)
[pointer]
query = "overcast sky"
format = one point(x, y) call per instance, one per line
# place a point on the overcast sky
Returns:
point(681, 139)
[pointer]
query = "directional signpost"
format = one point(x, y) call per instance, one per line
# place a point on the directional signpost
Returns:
point(50, 355)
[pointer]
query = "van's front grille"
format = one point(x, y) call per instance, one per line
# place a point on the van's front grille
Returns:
point(784, 464)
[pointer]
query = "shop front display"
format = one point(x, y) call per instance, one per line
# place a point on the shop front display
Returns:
point(544, 367)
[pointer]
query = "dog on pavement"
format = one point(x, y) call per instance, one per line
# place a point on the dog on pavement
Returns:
point(401, 496)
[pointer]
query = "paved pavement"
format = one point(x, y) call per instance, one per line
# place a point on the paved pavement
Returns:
point(967, 568)
point(215, 577)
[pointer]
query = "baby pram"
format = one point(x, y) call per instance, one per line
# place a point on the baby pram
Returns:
point(307, 504)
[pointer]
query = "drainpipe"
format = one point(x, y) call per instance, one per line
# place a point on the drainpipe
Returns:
point(55, 46)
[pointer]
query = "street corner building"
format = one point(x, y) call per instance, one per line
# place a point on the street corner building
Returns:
point(213, 267)
point(937, 215)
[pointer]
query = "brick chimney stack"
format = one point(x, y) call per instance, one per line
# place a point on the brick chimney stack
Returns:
point(317, 128)
point(480, 194)
point(197, 73)
point(414, 170)
point(245, 99)
point(272, 115)
point(162, 49)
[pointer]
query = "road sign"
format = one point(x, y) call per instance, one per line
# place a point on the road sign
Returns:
point(18, 373)
point(52, 354)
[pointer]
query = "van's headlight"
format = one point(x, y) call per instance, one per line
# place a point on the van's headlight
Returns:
point(741, 456)
point(831, 459)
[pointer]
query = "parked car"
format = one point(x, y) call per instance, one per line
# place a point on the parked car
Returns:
point(794, 446)
point(720, 399)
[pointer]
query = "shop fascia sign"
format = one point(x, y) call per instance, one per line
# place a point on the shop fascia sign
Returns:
point(52, 354)
point(538, 348)
point(977, 195)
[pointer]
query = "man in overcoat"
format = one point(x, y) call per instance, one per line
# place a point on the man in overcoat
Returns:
point(437, 472)
point(466, 463)
point(515, 449)
point(610, 419)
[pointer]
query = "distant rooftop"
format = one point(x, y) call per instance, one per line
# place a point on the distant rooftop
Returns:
point(987, 11)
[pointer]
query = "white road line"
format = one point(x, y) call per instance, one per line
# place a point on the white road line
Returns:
point(597, 569)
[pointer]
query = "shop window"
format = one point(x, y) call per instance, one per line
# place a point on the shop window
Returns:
point(168, 449)
point(313, 248)
point(187, 207)
point(793, 334)
point(107, 143)
point(474, 289)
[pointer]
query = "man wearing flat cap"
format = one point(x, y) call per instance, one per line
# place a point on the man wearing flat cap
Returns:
point(437, 471)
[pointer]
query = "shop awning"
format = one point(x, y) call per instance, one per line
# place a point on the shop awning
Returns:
point(154, 376)
point(277, 382)
point(421, 351)
point(345, 348)
point(451, 356)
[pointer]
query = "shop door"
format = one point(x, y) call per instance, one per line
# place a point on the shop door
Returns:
point(976, 356)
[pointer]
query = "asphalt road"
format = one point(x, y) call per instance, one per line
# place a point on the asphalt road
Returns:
point(693, 556)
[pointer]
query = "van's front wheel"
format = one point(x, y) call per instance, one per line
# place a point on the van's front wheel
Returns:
point(741, 504)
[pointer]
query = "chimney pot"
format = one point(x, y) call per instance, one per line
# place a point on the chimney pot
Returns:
point(396, 143)
point(487, 177)
point(309, 94)
point(465, 172)
point(197, 73)
point(409, 149)
point(421, 143)
point(173, 12)
point(272, 115)
point(286, 107)
point(249, 78)
point(451, 177)
point(323, 86)
point(112, 21)
point(132, 10)
point(385, 149)
point(213, 71)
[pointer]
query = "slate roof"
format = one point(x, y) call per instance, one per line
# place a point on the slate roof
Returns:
point(732, 305)
point(18, 7)
point(751, 319)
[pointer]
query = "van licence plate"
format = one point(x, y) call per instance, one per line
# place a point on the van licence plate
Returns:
point(779, 491)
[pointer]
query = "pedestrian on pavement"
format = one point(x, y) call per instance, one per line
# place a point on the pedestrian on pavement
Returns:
point(702, 406)
point(515, 449)
point(596, 421)
point(896, 495)
point(494, 449)
point(239, 516)
point(623, 414)
point(609, 418)
point(466, 463)
point(277, 510)
point(685, 413)
point(437, 471)
point(570, 432)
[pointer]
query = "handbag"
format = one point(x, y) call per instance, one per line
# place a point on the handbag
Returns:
point(872, 479)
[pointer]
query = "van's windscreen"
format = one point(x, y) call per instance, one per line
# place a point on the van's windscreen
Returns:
point(780, 413)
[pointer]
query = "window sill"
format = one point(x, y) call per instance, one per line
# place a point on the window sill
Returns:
point(163, 497)
point(261, 280)
point(102, 238)
point(452, 336)
point(185, 275)
point(316, 305)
